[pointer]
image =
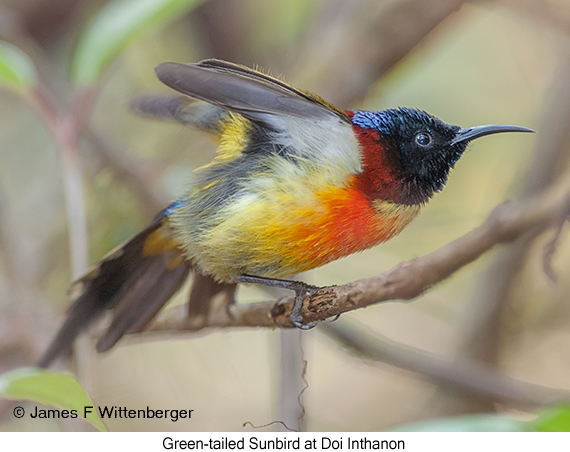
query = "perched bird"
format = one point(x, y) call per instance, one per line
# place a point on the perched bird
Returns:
point(296, 183)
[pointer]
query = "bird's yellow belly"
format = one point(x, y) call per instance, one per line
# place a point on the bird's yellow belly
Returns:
point(276, 233)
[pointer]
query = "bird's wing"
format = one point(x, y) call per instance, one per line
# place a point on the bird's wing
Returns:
point(180, 109)
point(257, 96)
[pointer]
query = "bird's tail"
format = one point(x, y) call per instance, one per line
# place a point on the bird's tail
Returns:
point(135, 279)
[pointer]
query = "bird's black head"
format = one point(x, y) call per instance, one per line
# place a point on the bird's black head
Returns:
point(421, 149)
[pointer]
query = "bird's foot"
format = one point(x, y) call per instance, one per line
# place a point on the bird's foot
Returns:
point(301, 289)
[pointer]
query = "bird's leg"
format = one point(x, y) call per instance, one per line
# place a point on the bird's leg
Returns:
point(301, 289)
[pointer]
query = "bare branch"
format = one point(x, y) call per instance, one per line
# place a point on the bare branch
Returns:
point(464, 376)
point(480, 333)
point(404, 282)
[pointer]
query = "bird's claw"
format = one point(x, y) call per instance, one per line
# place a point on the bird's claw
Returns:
point(301, 289)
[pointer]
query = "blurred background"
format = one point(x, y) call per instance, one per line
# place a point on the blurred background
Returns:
point(468, 63)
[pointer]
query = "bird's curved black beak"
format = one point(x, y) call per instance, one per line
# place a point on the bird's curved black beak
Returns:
point(471, 133)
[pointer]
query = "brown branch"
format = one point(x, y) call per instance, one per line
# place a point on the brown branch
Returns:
point(480, 331)
point(404, 282)
point(463, 376)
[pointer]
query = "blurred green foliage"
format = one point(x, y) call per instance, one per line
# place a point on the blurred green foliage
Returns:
point(16, 69)
point(117, 24)
point(551, 419)
point(49, 388)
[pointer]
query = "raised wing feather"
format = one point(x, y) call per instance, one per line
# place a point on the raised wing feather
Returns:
point(254, 95)
point(180, 109)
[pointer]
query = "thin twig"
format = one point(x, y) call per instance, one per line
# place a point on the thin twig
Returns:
point(404, 282)
point(480, 333)
point(66, 128)
point(463, 376)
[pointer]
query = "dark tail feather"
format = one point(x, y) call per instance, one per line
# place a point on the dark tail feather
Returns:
point(143, 300)
point(136, 279)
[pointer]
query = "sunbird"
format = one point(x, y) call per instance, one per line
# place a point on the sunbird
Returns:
point(296, 183)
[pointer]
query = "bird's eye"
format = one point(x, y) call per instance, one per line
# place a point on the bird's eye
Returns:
point(423, 139)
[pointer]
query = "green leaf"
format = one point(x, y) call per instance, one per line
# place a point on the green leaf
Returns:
point(470, 423)
point(552, 419)
point(49, 388)
point(17, 71)
point(115, 26)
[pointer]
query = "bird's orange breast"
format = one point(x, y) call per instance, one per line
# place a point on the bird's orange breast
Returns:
point(349, 223)
point(279, 232)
